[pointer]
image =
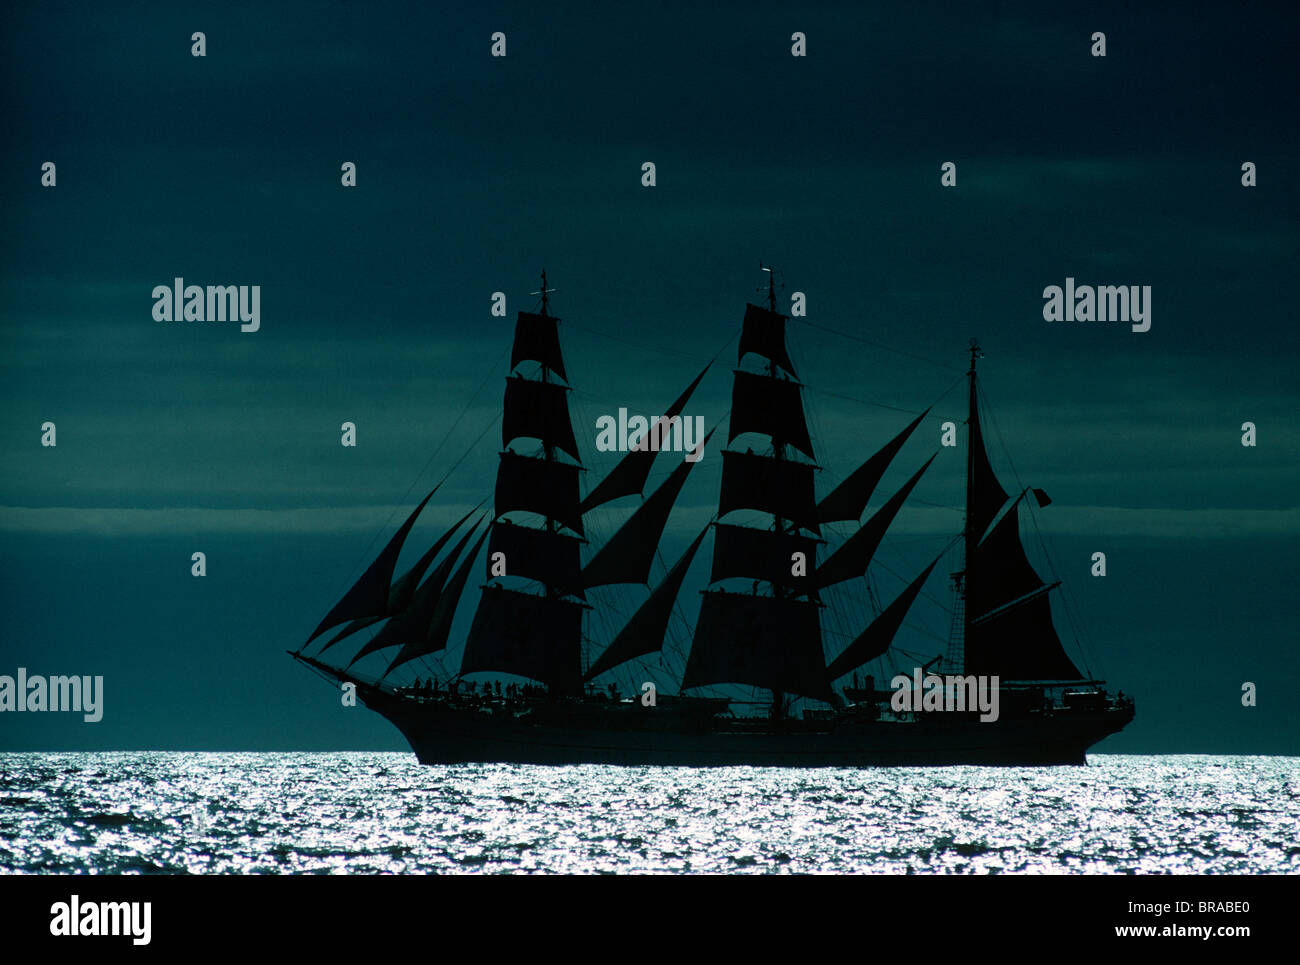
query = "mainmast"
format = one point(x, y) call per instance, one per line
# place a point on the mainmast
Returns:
point(778, 451)
point(970, 534)
point(548, 450)
point(766, 640)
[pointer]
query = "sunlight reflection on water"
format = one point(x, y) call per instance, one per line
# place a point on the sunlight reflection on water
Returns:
point(365, 813)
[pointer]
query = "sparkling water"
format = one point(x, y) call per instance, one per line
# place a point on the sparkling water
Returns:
point(362, 812)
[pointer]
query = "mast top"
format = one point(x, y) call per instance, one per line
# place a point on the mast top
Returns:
point(545, 293)
point(975, 353)
point(771, 285)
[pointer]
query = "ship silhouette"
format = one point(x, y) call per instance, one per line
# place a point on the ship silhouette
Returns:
point(761, 621)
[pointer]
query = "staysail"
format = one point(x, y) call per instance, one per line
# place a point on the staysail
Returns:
point(879, 634)
point(627, 555)
point(644, 632)
point(854, 555)
point(847, 500)
point(629, 475)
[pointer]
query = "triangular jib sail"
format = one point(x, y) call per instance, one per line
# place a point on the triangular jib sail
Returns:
point(414, 623)
point(369, 595)
point(403, 591)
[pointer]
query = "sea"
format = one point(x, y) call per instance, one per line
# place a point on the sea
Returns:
point(367, 813)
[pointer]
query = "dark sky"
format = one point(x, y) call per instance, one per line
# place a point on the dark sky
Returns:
point(474, 172)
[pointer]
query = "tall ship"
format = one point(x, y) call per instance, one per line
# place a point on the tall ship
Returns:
point(778, 661)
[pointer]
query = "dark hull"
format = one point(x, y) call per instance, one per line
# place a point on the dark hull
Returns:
point(440, 734)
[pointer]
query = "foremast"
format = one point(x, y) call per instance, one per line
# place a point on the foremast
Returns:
point(518, 630)
point(540, 636)
point(781, 526)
